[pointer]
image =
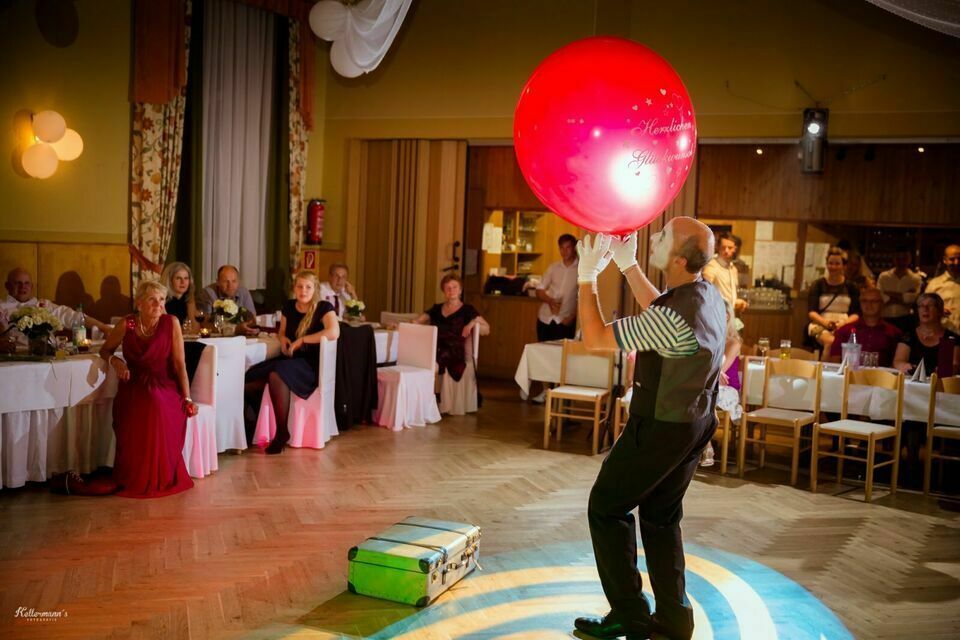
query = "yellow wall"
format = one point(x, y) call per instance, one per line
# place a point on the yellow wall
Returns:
point(87, 83)
point(456, 69)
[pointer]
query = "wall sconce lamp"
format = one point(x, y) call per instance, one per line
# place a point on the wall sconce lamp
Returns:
point(52, 142)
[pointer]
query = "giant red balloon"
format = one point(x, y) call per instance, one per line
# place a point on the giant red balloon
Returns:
point(605, 134)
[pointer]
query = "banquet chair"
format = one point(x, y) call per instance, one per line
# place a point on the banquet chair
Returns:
point(951, 386)
point(231, 365)
point(267, 321)
point(200, 444)
point(311, 421)
point(870, 432)
point(390, 318)
point(802, 354)
point(768, 417)
point(406, 395)
point(460, 398)
point(562, 400)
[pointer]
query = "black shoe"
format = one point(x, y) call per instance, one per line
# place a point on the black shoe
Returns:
point(611, 626)
point(275, 447)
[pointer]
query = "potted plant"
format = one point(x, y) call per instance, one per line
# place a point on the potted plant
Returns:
point(38, 324)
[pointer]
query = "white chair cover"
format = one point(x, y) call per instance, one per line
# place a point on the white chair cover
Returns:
point(390, 318)
point(460, 398)
point(406, 391)
point(311, 422)
point(200, 445)
point(231, 364)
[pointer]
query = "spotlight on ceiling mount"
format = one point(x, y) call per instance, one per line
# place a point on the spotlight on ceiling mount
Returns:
point(813, 140)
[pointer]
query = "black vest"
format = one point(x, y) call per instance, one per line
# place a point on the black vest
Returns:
point(684, 389)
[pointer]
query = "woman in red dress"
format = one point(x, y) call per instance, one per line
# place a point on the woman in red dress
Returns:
point(153, 399)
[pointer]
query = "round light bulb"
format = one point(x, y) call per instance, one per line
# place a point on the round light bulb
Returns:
point(813, 128)
point(49, 126)
point(70, 146)
point(40, 160)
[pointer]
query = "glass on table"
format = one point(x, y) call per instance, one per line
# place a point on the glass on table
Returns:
point(785, 346)
point(870, 359)
point(763, 345)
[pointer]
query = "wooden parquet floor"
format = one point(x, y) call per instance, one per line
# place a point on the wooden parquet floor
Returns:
point(259, 548)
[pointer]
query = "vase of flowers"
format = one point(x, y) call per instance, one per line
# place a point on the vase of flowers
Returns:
point(230, 315)
point(353, 311)
point(38, 324)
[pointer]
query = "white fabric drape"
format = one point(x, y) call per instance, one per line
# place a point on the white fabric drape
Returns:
point(238, 63)
point(939, 15)
point(361, 33)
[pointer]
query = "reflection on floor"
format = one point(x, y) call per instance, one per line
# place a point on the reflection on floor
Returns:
point(537, 593)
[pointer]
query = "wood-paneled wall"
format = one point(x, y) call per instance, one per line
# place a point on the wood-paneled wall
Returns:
point(872, 184)
point(94, 275)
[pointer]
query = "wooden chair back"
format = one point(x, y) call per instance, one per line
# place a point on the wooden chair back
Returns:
point(873, 378)
point(803, 354)
point(573, 348)
point(949, 385)
point(810, 370)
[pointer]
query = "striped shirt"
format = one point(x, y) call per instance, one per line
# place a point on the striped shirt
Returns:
point(659, 329)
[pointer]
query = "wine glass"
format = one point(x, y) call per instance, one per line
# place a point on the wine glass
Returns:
point(218, 323)
point(763, 344)
point(201, 316)
point(785, 346)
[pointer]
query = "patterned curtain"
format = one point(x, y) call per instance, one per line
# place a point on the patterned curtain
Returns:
point(156, 143)
point(298, 146)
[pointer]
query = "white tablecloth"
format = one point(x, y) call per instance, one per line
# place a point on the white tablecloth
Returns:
point(541, 361)
point(877, 404)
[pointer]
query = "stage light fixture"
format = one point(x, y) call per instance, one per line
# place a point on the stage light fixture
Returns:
point(813, 140)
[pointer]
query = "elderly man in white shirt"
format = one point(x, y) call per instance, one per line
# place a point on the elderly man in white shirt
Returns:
point(338, 290)
point(20, 294)
point(722, 273)
point(900, 287)
point(557, 317)
point(947, 286)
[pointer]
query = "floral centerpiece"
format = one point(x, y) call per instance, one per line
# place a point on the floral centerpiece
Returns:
point(231, 314)
point(38, 324)
point(353, 309)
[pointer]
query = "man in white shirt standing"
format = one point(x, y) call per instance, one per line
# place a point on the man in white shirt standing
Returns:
point(722, 273)
point(20, 294)
point(337, 289)
point(900, 287)
point(557, 318)
point(947, 286)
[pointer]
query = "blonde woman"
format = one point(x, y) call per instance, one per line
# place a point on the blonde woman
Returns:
point(178, 279)
point(153, 400)
point(304, 321)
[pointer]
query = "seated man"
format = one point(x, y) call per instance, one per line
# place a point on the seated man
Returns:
point(227, 287)
point(873, 332)
point(20, 289)
point(337, 289)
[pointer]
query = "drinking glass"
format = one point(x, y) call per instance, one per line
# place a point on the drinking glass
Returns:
point(870, 359)
point(763, 344)
point(218, 323)
point(785, 349)
point(201, 316)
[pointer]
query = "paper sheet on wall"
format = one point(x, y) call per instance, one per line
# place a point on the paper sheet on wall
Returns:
point(773, 258)
point(764, 230)
point(492, 238)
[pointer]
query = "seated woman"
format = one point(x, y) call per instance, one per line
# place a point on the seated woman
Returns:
point(178, 279)
point(929, 342)
point(455, 322)
point(833, 301)
point(304, 321)
point(728, 398)
point(153, 400)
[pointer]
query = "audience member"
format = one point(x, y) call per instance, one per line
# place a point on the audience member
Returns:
point(832, 302)
point(947, 286)
point(722, 273)
point(181, 302)
point(930, 342)
point(455, 321)
point(153, 401)
point(337, 290)
point(856, 272)
point(227, 287)
point(304, 321)
point(900, 287)
point(874, 334)
point(20, 294)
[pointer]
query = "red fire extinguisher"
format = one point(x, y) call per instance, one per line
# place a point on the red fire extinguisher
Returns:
point(315, 211)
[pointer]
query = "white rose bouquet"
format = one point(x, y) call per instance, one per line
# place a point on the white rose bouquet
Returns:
point(354, 308)
point(35, 322)
point(229, 309)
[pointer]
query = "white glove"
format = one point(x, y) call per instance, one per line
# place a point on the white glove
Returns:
point(625, 251)
point(594, 257)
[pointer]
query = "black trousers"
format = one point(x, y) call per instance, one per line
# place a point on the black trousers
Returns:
point(555, 331)
point(650, 468)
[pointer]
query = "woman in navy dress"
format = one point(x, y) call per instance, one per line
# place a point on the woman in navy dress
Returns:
point(305, 320)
